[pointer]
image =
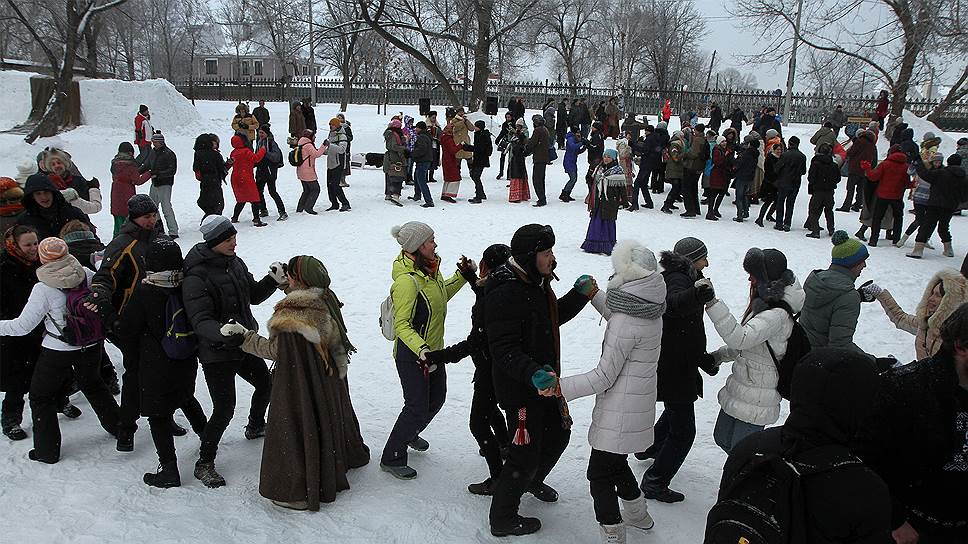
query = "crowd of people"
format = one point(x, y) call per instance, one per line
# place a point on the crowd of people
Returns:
point(867, 467)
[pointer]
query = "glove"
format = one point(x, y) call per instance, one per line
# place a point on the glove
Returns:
point(69, 194)
point(869, 290)
point(467, 265)
point(865, 165)
point(704, 290)
point(709, 365)
point(93, 183)
point(232, 329)
point(586, 285)
point(543, 378)
point(277, 271)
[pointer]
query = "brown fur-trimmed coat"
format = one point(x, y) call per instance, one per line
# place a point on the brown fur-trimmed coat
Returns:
point(928, 328)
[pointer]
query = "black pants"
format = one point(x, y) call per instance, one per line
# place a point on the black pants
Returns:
point(690, 191)
point(767, 205)
point(674, 193)
point(334, 176)
point(161, 434)
point(46, 394)
point(220, 378)
point(714, 199)
point(785, 199)
point(529, 463)
point(476, 173)
point(675, 432)
point(210, 198)
point(538, 180)
point(423, 397)
point(270, 182)
point(880, 207)
point(487, 423)
point(500, 171)
point(919, 210)
point(130, 387)
point(307, 200)
point(820, 202)
point(935, 217)
point(12, 406)
point(239, 206)
point(641, 184)
point(855, 191)
point(658, 178)
point(609, 477)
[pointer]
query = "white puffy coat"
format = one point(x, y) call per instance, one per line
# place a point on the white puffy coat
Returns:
point(624, 381)
point(750, 392)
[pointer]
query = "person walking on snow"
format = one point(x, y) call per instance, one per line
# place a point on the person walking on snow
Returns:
point(482, 150)
point(243, 179)
point(394, 161)
point(267, 172)
point(210, 171)
point(142, 132)
point(306, 171)
point(124, 178)
point(574, 146)
point(163, 164)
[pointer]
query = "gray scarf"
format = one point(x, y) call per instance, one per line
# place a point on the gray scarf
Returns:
point(626, 303)
point(168, 279)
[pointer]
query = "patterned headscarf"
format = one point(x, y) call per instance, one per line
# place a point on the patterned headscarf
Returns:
point(312, 273)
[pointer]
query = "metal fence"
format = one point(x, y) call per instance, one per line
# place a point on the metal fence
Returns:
point(805, 108)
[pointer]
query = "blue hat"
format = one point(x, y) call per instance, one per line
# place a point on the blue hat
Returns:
point(847, 252)
point(612, 153)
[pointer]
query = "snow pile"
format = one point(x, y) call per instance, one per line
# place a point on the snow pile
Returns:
point(922, 126)
point(15, 88)
point(113, 103)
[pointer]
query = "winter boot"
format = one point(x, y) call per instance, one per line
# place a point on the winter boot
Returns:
point(861, 234)
point(283, 216)
point(928, 245)
point(395, 200)
point(295, 505)
point(401, 473)
point(70, 411)
point(662, 494)
point(484, 488)
point(14, 432)
point(177, 430)
point(516, 526)
point(166, 476)
point(613, 534)
point(255, 430)
point(918, 251)
point(125, 441)
point(903, 240)
point(543, 492)
point(636, 513)
point(948, 250)
point(207, 474)
point(419, 444)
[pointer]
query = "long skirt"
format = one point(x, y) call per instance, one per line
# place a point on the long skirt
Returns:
point(601, 236)
point(450, 189)
point(520, 192)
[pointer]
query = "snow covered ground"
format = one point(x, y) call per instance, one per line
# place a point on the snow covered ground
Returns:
point(95, 494)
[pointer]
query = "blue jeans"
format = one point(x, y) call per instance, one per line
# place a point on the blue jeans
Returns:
point(730, 431)
point(742, 202)
point(572, 180)
point(420, 187)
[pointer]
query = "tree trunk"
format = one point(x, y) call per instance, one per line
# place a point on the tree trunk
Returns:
point(913, 44)
point(53, 118)
point(90, 45)
point(347, 88)
point(482, 54)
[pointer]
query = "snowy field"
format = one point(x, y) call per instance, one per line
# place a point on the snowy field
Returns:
point(95, 494)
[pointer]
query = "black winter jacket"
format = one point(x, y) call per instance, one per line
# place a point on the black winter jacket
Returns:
point(218, 288)
point(715, 118)
point(475, 345)
point(163, 165)
point(48, 222)
point(790, 168)
point(824, 174)
point(948, 186)
point(482, 149)
point(653, 146)
point(595, 145)
point(746, 164)
point(504, 137)
point(208, 163)
point(422, 149)
point(267, 168)
point(522, 319)
point(17, 280)
point(683, 348)
point(123, 266)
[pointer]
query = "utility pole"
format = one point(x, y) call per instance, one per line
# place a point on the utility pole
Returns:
point(791, 73)
point(709, 74)
point(312, 57)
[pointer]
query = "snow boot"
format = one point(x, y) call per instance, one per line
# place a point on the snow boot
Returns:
point(948, 250)
point(401, 473)
point(484, 488)
point(861, 234)
point(283, 216)
point(295, 505)
point(928, 245)
point(32, 455)
point(813, 234)
point(903, 240)
point(395, 200)
point(543, 492)
point(253, 431)
point(125, 441)
point(516, 526)
point(918, 251)
point(636, 513)
point(613, 534)
point(475, 200)
point(345, 208)
point(166, 476)
point(207, 474)
point(663, 494)
point(14, 432)
point(71, 411)
point(419, 444)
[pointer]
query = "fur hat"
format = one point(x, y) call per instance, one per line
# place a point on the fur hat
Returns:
point(411, 235)
point(52, 153)
point(51, 249)
point(421, 125)
point(769, 268)
point(531, 239)
point(632, 261)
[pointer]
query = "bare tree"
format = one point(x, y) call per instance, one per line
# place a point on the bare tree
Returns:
point(731, 78)
point(282, 29)
point(236, 18)
point(569, 29)
point(829, 74)
point(676, 30)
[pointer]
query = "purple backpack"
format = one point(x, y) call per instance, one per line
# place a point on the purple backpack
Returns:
point(83, 327)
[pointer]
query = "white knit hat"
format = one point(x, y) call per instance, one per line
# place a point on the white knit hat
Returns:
point(411, 235)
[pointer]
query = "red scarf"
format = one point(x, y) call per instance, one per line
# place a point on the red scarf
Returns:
point(59, 182)
point(14, 250)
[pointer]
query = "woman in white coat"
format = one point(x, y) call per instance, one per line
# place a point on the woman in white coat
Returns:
point(749, 401)
point(624, 383)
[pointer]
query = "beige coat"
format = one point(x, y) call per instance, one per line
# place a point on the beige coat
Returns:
point(462, 129)
point(927, 328)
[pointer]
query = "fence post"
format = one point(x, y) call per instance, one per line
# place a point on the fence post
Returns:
point(220, 88)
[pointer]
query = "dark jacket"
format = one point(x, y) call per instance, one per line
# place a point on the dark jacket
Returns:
point(737, 118)
point(683, 332)
point(863, 148)
point(824, 174)
point(504, 137)
point(715, 118)
point(482, 149)
point(562, 121)
point(790, 169)
point(910, 148)
point(261, 115)
point(19, 352)
point(123, 266)
point(47, 222)
point(422, 149)
point(948, 186)
point(517, 168)
point(522, 320)
point(698, 153)
point(898, 135)
point(538, 145)
point(218, 288)
point(652, 147)
point(163, 164)
point(595, 145)
point(845, 501)
point(475, 345)
point(765, 123)
point(746, 164)
point(267, 169)
point(581, 115)
point(208, 164)
point(309, 116)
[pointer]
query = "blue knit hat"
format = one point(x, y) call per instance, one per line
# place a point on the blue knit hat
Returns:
point(847, 251)
point(612, 153)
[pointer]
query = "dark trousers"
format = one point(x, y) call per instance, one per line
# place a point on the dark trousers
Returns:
point(935, 217)
point(47, 390)
point(609, 477)
point(476, 173)
point(538, 180)
point(674, 193)
point(785, 199)
point(392, 186)
point(420, 187)
point(820, 202)
point(675, 432)
point(130, 387)
point(210, 198)
point(307, 200)
point(271, 184)
point(855, 191)
point(239, 206)
point(880, 207)
point(334, 176)
point(487, 423)
point(641, 184)
point(161, 434)
point(220, 378)
point(657, 175)
point(919, 210)
point(423, 397)
point(530, 463)
point(767, 205)
point(714, 199)
point(690, 191)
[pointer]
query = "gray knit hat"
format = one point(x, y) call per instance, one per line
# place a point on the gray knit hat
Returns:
point(691, 248)
point(158, 137)
point(141, 205)
point(216, 229)
point(411, 235)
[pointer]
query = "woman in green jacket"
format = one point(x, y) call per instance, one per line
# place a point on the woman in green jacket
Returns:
point(420, 294)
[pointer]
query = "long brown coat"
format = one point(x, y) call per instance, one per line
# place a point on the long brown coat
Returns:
point(312, 434)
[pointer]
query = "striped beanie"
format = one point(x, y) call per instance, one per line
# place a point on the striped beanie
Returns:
point(847, 251)
point(51, 249)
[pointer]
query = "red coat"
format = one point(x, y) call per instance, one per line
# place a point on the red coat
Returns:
point(667, 111)
point(140, 138)
point(124, 178)
point(722, 166)
point(891, 176)
point(243, 181)
point(882, 105)
point(448, 157)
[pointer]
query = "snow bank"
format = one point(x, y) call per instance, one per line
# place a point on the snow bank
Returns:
point(921, 126)
point(111, 103)
point(15, 88)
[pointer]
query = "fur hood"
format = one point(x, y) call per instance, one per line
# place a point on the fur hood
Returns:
point(955, 294)
point(673, 262)
point(632, 261)
point(304, 312)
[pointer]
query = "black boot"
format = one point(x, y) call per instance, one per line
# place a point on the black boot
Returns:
point(166, 476)
point(516, 526)
point(253, 431)
point(207, 474)
point(125, 441)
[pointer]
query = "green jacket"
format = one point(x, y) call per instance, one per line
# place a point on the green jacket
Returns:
point(831, 308)
point(419, 307)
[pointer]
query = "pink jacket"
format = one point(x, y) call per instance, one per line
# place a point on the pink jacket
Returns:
point(307, 170)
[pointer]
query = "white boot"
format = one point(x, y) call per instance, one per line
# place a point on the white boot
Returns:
point(613, 534)
point(928, 245)
point(636, 513)
point(903, 240)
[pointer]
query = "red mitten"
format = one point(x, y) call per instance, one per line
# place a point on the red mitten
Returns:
point(198, 175)
point(865, 165)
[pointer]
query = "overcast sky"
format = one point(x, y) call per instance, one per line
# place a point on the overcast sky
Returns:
point(727, 40)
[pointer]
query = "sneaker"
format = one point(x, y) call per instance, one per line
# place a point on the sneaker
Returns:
point(419, 444)
point(401, 473)
point(208, 475)
point(543, 492)
point(539, 204)
point(666, 209)
point(125, 441)
point(516, 526)
point(165, 477)
point(738, 219)
point(283, 216)
point(485, 488)
point(778, 227)
point(260, 224)
point(71, 411)
point(663, 494)
point(14, 432)
point(711, 217)
point(255, 431)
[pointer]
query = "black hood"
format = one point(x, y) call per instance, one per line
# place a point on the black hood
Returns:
point(203, 143)
point(40, 182)
point(673, 262)
point(908, 134)
point(832, 394)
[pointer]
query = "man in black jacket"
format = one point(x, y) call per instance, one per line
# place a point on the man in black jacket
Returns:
point(949, 188)
point(683, 352)
point(845, 502)
point(218, 290)
point(537, 146)
point(45, 209)
point(261, 114)
point(790, 167)
point(650, 150)
point(163, 165)
point(522, 320)
point(821, 184)
point(481, 160)
point(917, 440)
point(562, 123)
point(267, 171)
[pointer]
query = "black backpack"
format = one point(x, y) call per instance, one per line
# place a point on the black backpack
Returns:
point(296, 157)
point(764, 504)
point(798, 346)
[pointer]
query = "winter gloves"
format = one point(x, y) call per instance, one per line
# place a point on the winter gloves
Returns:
point(869, 291)
point(234, 334)
point(586, 285)
point(69, 194)
point(544, 378)
point(277, 271)
point(705, 291)
point(709, 365)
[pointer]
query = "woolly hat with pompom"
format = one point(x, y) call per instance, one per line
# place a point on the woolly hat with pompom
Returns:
point(847, 251)
point(632, 261)
point(411, 235)
point(51, 249)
